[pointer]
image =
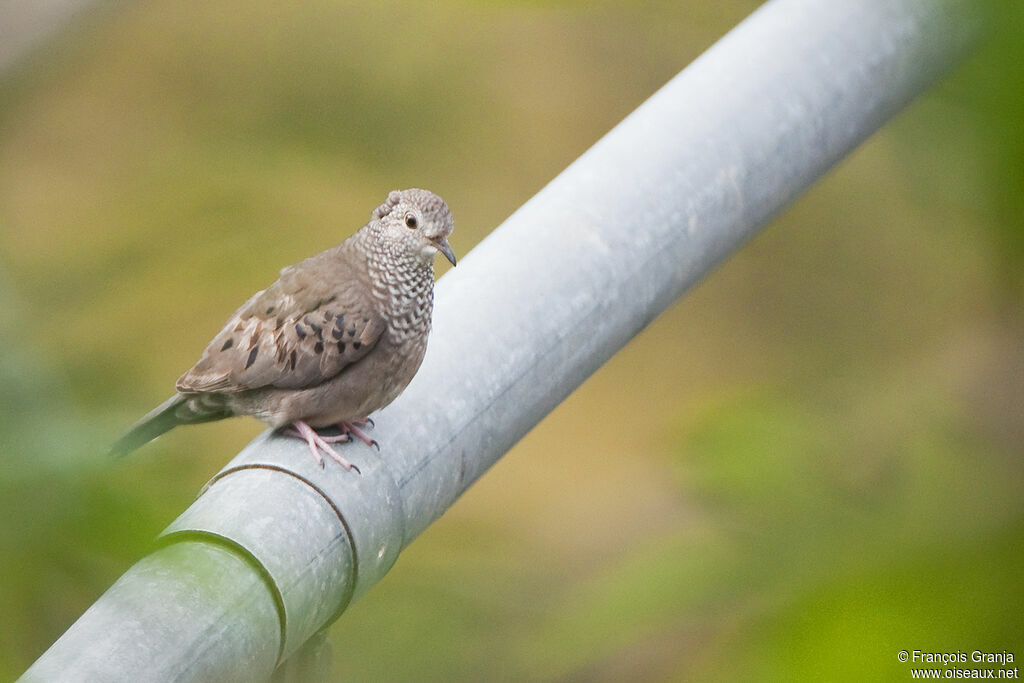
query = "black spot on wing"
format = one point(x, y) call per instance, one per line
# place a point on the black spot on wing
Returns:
point(252, 357)
point(282, 349)
point(319, 347)
point(300, 332)
point(227, 345)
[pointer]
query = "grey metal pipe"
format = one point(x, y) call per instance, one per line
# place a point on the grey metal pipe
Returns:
point(533, 310)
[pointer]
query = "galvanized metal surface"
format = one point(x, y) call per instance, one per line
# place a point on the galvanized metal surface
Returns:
point(191, 611)
point(524, 319)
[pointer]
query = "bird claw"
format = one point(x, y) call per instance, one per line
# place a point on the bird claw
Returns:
point(351, 428)
point(319, 443)
point(337, 457)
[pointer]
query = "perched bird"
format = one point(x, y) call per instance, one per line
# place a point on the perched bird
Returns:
point(336, 337)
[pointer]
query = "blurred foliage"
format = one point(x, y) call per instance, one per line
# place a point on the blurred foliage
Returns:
point(991, 86)
point(812, 462)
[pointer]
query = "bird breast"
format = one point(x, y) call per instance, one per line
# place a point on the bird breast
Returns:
point(404, 290)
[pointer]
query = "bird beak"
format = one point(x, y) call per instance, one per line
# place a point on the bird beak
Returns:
point(442, 245)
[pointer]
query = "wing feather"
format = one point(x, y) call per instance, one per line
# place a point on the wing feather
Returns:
point(295, 334)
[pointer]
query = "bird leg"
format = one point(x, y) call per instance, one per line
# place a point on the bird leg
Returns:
point(319, 443)
point(353, 428)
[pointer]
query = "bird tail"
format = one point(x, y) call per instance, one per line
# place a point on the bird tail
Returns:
point(177, 410)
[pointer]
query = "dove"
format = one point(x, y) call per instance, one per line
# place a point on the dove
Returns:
point(336, 337)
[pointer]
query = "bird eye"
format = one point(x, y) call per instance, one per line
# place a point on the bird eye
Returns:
point(410, 221)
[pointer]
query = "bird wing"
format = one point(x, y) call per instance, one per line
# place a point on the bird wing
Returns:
point(304, 329)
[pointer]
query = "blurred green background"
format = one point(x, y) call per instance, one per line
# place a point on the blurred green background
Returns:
point(810, 463)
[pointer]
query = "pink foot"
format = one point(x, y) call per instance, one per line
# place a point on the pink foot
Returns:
point(354, 429)
point(319, 443)
point(330, 438)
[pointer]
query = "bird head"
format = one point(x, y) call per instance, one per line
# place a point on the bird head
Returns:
point(418, 221)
